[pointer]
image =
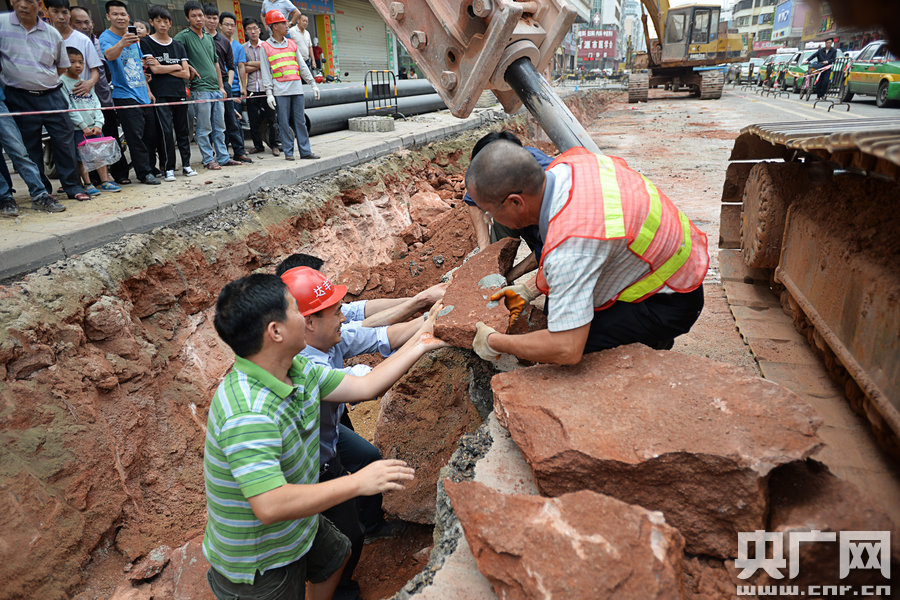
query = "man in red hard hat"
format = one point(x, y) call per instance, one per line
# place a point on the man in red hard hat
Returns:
point(329, 340)
point(283, 73)
point(265, 535)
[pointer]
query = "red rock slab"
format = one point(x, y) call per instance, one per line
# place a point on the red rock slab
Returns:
point(420, 420)
point(805, 497)
point(468, 298)
point(685, 435)
point(580, 545)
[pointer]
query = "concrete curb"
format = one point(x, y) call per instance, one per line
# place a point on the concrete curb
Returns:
point(32, 249)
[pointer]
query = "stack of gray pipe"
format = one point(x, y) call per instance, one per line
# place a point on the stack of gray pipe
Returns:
point(341, 101)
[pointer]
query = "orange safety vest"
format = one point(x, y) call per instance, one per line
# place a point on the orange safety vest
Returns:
point(283, 61)
point(609, 201)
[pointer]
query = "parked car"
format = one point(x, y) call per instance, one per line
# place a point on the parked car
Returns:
point(797, 67)
point(745, 74)
point(875, 72)
point(775, 61)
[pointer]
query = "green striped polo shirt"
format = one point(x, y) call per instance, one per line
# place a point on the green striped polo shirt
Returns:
point(261, 434)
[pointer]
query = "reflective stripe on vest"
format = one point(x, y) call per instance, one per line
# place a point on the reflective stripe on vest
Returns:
point(283, 61)
point(609, 200)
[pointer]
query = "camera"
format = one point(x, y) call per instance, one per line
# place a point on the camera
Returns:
point(132, 29)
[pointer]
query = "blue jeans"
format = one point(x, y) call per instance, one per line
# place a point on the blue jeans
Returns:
point(288, 107)
point(11, 142)
point(211, 128)
point(58, 126)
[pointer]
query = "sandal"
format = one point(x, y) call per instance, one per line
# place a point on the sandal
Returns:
point(80, 196)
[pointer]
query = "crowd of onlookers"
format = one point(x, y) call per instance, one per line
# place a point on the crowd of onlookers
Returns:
point(62, 81)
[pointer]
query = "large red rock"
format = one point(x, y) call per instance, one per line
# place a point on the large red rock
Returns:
point(681, 434)
point(467, 300)
point(421, 418)
point(807, 497)
point(425, 207)
point(580, 545)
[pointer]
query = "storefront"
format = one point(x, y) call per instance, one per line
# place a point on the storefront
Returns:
point(361, 40)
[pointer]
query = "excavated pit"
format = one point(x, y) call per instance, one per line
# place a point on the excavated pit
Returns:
point(108, 360)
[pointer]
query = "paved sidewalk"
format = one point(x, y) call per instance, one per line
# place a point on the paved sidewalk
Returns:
point(36, 238)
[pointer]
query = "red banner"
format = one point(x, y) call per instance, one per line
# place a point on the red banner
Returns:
point(596, 44)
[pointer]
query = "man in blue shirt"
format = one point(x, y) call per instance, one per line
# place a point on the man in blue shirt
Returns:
point(530, 234)
point(122, 51)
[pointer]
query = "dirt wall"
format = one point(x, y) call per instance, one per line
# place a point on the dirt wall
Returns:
point(108, 360)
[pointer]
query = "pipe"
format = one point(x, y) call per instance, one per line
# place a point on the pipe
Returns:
point(546, 106)
point(342, 93)
point(324, 119)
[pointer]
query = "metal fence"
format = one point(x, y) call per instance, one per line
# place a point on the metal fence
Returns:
point(381, 93)
point(837, 81)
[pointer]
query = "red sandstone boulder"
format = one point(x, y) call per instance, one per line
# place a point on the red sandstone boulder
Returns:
point(467, 300)
point(425, 207)
point(580, 545)
point(149, 566)
point(184, 578)
point(421, 418)
point(807, 497)
point(671, 432)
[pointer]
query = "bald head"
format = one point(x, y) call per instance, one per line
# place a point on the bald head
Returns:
point(503, 168)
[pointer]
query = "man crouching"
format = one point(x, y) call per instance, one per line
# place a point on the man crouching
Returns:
point(264, 535)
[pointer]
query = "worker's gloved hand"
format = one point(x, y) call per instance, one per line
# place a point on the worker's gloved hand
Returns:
point(316, 92)
point(480, 343)
point(270, 100)
point(516, 297)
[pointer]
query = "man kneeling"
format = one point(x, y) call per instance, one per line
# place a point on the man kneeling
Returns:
point(264, 535)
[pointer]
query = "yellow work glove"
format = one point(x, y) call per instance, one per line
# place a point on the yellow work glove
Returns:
point(480, 343)
point(516, 297)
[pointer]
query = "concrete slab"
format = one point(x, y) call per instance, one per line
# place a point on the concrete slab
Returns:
point(27, 250)
point(90, 233)
point(806, 380)
point(795, 352)
point(150, 218)
point(195, 206)
point(232, 194)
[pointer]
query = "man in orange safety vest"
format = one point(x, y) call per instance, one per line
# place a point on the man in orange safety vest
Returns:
point(620, 263)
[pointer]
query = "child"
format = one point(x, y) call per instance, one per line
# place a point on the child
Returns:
point(87, 122)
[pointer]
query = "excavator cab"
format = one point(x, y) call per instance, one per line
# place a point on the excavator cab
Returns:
point(691, 33)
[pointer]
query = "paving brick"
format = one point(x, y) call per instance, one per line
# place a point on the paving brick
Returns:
point(752, 295)
point(148, 218)
point(806, 380)
point(733, 268)
point(25, 250)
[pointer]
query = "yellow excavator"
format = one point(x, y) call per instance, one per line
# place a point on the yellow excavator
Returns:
point(689, 41)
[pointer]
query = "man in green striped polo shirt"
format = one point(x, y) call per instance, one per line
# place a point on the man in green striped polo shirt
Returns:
point(264, 535)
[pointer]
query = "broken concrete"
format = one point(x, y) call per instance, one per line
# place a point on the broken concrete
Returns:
point(667, 431)
point(579, 545)
point(467, 300)
point(420, 419)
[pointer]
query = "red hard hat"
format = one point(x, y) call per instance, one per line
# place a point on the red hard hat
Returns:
point(275, 16)
point(312, 290)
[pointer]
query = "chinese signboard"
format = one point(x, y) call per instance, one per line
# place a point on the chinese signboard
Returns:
point(596, 44)
point(322, 7)
point(782, 26)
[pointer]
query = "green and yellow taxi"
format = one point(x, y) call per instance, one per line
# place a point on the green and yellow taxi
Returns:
point(875, 72)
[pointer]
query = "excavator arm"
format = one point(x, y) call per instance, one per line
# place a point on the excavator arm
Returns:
point(466, 46)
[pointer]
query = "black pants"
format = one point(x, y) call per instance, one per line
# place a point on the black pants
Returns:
point(119, 169)
point(139, 125)
point(173, 119)
point(58, 125)
point(655, 322)
point(345, 517)
point(234, 135)
point(824, 78)
point(260, 114)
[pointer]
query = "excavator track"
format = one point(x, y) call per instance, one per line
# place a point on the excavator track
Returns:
point(638, 87)
point(711, 84)
point(827, 230)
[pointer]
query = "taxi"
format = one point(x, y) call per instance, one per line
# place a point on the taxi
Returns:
point(875, 72)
